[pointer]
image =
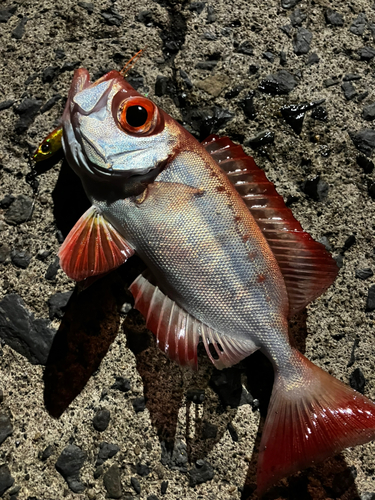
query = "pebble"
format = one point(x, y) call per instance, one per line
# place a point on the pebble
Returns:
point(145, 17)
point(136, 485)
point(253, 69)
point(22, 332)
point(50, 103)
point(287, 29)
point(233, 432)
point(289, 4)
point(7, 201)
point(161, 85)
point(278, 83)
point(19, 31)
point(370, 303)
point(315, 188)
point(139, 404)
point(6, 427)
point(329, 82)
point(365, 163)
point(349, 242)
point(47, 452)
point(6, 104)
point(233, 92)
point(27, 111)
point(263, 138)
point(69, 465)
point(319, 113)
point(152, 497)
point(112, 17)
point(211, 16)
point(357, 380)
point(366, 53)
point(245, 48)
point(362, 96)
point(369, 112)
point(364, 140)
point(301, 41)
point(297, 17)
point(4, 253)
point(207, 65)
point(349, 90)
point(364, 274)
point(351, 76)
point(294, 114)
point(283, 58)
point(247, 104)
point(106, 451)
point(213, 85)
point(142, 470)
point(57, 304)
point(209, 431)
point(175, 458)
point(334, 18)
point(6, 480)
point(6, 14)
point(101, 420)
point(52, 269)
point(19, 211)
point(20, 258)
point(112, 482)
point(89, 7)
point(359, 24)
point(201, 473)
point(371, 190)
point(122, 384)
point(98, 472)
point(164, 487)
point(313, 59)
point(269, 56)
point(196, 396)
point(186, 79)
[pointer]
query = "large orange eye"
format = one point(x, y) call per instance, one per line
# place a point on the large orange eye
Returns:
point(138, 115)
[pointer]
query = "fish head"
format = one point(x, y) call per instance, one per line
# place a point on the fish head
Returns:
point(111, 130)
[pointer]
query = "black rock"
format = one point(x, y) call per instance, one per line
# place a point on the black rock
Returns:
point(152, 497)
point(50, 103)
point(342, 481)
point(28, 109)
point(269, 56)
point(278, 83)
point(366, 164)
point(6, 104)
point(313, 59)
point(176, 458)
point(197, 396)
point(297, 17)
point(283, 59)
point(214, 120)
point(20, 210)
point(164, 487)
point(287, 29)
point(20, 258)
point(52, 269)
point(7, 201)
point(371, 190)
point(369, 112)
point(89, 7)
point(112, 17)
point(106, 451)
point(201, 473)
point(359, 24)
point(357, 380)
point(135, 80)
point(6, 480)
point(349, 242)
point(253, 69)
point(98, 472)
point(112, 482)
point(245, 48)
point(247, 104)
point(136, 485)
point(211, 16)
point(294, 114)
point(186, 79)
point(351, 76)
point(366, 53)
point(319, 113)
point(142, 470)
point(101, 420)
point(316, 188)
point(19, 31)
point(49, 74)
point(43, 254)
point(6, 427)
point(209, 431)
point(197, 7)
point(161, 85)
point(233, 92)
point(139, 404)
point(301, 41)
point(207, 65)
point(331, 81)
point(349, 90)
point(28, 336)
point(370, 303)
point(57, 304)
point(263, 138)
point(69, 465)
point(233, 432)
point(59, 53)
point(145, 17)
point(47, 452)
point(122, 384)
point(6, 14)
point(69, 66)
point(364, 274)
point(364, 140)
point(334, 18)
point(339, 260)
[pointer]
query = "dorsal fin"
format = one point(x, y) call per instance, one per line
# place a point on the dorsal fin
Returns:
point(307, 267)
point(178, 333)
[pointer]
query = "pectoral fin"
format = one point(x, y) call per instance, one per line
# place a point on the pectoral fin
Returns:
point(93, 247)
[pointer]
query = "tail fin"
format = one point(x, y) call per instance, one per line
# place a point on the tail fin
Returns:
point(309, 421)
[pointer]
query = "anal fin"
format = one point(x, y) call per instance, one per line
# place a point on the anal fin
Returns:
point(178, 332)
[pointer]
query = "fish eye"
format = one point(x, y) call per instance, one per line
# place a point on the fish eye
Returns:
point(137, 115)
point(45, 147)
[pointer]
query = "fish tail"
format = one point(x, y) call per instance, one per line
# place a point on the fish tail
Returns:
point(311, 416)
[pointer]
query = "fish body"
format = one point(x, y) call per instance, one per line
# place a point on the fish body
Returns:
point(225, 267)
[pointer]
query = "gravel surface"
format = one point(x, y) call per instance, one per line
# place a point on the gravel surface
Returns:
point(89, 407)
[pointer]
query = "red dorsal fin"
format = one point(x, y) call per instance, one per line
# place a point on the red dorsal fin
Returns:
point(93, 247)
point(178, 332)
point(307, 267)
point(308, 420)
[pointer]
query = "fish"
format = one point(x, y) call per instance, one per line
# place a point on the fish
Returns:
point(227, 262)
point(49, 146)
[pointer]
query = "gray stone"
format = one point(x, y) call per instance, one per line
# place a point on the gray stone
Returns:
point(19, 211)
point(6, 480)
point(281, 82)
point(6, 427)
point(334, 18)
point(370, 303)
point(20, 258)
point(302, 41)
point(359, 24)
point(57, 304)
point(349, 90)
point(369, 112)
point(201, 473)
point(101, 420)
point(112, 482)
point(106, 451)
point(364, 140)
point(69, 465)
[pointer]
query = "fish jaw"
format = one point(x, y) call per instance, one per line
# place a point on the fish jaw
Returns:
point(96, 141)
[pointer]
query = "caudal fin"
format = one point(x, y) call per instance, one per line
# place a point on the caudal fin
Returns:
point(309, 420)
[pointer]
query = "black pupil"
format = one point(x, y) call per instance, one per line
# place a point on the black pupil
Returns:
point(45, 148)
point(136, 116)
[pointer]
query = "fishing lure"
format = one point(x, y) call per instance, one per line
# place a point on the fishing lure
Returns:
point(227, 262)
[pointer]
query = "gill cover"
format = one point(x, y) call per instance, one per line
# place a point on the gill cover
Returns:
point(109, 128)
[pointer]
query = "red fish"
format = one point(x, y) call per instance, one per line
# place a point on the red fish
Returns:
point(227, 262)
